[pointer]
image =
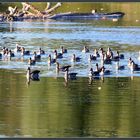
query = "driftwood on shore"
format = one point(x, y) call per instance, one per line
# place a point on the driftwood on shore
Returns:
point(30, 10)
point(53, 8)
point(38, 12)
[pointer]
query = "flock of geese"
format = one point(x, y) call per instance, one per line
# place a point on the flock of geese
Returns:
point(106, 56)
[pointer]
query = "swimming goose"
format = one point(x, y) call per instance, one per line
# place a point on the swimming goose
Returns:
point(96, 53)
point(40, 51)
point(8, 54)
point(93, 73)
point(11, 54)
point(85, 49)
point(104, 72)
point(63, 50)
point(105, 59)
point(134, 67)
point(71, 76)
point(130, 62)
point(109, 53)
point(31, 62)
point(116, 58)
point(62, 68)
point(36, 56)
point(75, 59)
point(57, 55)
point(101, 52)
point(3, 48)
point(50, 60)
point(34, 75)
point(121, 56)
point(17, 49)
point(5, 51)
point(98, 68)
point(23, 52)
point(91, 57)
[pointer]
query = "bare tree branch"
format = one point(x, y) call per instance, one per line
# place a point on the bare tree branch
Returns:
point(48, 6)
point(33, 8)
point(53, 8)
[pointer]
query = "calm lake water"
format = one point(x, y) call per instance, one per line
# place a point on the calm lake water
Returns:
point(107, 107)
point(50, 108)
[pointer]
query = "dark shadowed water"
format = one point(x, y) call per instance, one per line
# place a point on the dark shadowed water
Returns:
point(105, 107)
point(50, 108)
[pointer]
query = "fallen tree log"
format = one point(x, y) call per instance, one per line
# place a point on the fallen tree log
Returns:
point(24, 12)
point(69, 16)
point(39, 13)
point(48, 6)
point(25, 7)
point(12, 10)
point(53, 8)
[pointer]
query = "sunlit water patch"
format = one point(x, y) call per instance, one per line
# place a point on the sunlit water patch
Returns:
point(71, 31)
point(73, 36)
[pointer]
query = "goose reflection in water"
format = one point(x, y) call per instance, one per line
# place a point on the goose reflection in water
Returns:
point(28, 81)
point(92, 78)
